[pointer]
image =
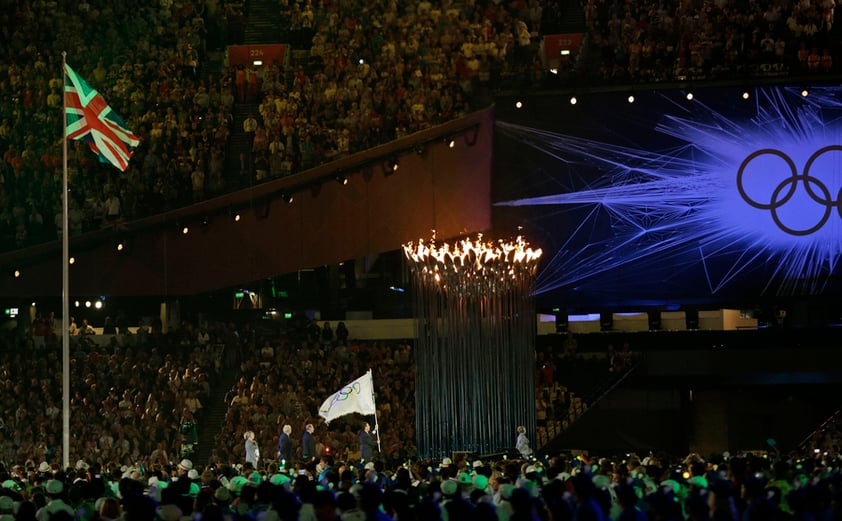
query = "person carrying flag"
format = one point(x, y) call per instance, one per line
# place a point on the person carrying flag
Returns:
point(368, 443)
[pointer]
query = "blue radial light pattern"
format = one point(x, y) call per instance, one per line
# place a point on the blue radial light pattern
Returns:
point(679, 211)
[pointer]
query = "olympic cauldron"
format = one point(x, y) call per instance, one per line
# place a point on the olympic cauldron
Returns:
point(475, 343)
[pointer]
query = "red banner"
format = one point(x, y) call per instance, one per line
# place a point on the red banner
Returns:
point(554, 44)
point(248, 54)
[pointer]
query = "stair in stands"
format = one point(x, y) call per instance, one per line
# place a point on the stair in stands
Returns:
point(578, 405)
point(263, 23)
point(567, 16)
point(212, 416)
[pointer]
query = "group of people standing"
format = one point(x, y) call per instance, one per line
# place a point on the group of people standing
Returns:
point(369, 445)
point(286, 451)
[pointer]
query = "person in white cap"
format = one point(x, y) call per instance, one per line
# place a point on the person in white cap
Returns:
point(185, 466)
point(181, 482)
point(55, 491)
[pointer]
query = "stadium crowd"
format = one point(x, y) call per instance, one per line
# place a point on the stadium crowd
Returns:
point(128, 397)
point(376, 71)
point(285, 381)
point(565, 487)
point(370, 72)
point(131, 393)
point(663, 40)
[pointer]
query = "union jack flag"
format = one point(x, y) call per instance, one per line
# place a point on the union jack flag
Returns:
point(90, 119)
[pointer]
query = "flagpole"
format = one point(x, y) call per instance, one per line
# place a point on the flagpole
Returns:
point(65, 281)
point(376, 423)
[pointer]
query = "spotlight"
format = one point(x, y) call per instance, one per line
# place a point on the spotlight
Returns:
point(185, 230)
point(236, 217)
point(805, 92)
point(554, 70)
point(76, 303)
point(87, 303)
point(71, 260)
point(121, 246)
point(573, 100)
point(451, 143)
point(287, 198)
point(16, 274)
point(630, 99)
point(518, 104)
point(341, 179)
point(391, 166)
point(689, 95)
point(98, 304)
point(746, 94)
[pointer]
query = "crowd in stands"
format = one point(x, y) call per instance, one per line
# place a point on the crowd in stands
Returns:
point(284, 382)
point(653, 41)
point(129, 397)
point(377, 71)
point(146, 60)
point(132, 392)
point(370, 72)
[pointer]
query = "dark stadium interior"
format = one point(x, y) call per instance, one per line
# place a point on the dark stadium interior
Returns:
point(677, 162)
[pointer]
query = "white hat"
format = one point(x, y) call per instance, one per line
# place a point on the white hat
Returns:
point(449, 487)
point(446, 462)
point(193, 474)
point(81, 465)
point(54, 486)
point(44, 467)
point(185, 464)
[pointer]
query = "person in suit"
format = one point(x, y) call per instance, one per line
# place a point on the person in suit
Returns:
point(368, 443)
point(308, 445)
point(285, 446)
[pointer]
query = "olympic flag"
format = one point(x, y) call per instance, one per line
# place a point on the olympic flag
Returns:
point(357, 396)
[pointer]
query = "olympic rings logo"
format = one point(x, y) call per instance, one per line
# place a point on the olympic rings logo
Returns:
point(786, 189)
point(344, 393)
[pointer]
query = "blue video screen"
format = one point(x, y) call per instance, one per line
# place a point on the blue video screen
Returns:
point(728, 197)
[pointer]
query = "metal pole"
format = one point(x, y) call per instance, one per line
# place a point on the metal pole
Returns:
point(65, 283)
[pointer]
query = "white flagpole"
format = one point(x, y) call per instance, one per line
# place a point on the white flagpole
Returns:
point(376, 423)
point(65, 281)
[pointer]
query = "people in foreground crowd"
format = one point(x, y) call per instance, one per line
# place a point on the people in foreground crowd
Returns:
point(739, 487)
